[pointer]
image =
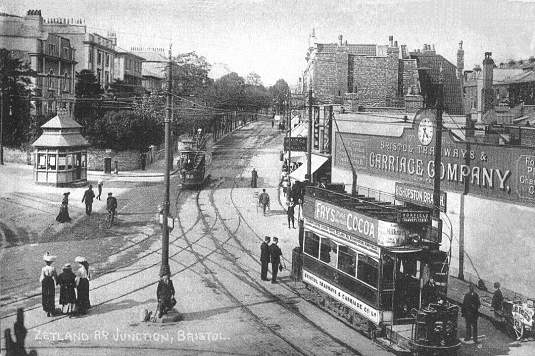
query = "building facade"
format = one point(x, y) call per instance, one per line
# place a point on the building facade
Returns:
point(128, 73)
point(94, 52)
point(152, 68)
point(51, 55)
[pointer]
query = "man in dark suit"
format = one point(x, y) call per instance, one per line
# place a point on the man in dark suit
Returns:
point(470, 311)
point(276, 254)
point(88, 199)
point(264, 258)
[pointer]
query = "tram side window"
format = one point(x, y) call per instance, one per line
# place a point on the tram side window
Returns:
point(328, 251)
point(388, 272)
point(347, 260)
point(367, 270)
point(312, 244)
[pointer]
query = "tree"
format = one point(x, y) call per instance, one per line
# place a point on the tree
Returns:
point(280, 92)
point(253, 79)
point(230, 92)
point(88, 93)
point(87, 85)
point(15, 83)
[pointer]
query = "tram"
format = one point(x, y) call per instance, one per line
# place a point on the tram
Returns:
point(375, 265)
point(195, 159)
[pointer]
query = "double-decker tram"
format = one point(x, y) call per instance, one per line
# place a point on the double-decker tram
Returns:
point(372, 263)
point(195, 158)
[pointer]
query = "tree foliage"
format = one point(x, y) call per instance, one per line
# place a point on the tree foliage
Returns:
point(280, 93)
point(15, 80)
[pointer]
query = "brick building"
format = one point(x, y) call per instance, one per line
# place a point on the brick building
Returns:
point(94, 52)
point(50, 55)
point(372, 75)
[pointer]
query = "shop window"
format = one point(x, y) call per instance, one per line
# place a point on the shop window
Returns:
point(367, 270)
point(52, 163)
point(347, 260)
point(312, 244)
point(328, 251)
point(62, 162)
point(41, 161)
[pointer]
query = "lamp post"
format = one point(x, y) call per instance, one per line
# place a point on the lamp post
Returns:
point(309, 142)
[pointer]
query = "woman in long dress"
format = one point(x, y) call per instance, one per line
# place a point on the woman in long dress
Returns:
point(165, 293)
point(48, 285)
point(82, 286)
point(67, 294)
point(63, 215)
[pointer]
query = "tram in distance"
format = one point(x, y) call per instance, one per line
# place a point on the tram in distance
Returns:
point(195, 159)
point(375, 265)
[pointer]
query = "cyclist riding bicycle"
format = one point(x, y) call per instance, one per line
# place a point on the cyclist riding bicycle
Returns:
point(111, 205)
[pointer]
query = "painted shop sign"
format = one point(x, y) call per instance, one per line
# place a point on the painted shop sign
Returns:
point(418, 195)
point(352, 302)
point(380, 232)
point(500, 172)
point(298, 144)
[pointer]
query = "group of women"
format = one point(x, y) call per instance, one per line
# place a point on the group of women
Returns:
point(74, 287)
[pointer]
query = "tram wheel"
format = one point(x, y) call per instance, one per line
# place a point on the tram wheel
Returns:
point(519, 328)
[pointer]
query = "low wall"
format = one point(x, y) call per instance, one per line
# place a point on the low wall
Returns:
point(15, 155)
point(127, 160)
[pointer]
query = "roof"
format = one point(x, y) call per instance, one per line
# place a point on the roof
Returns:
point(151, 69)
point(120, 50)
point(55, 139)
point(150, 56)
point(524, 77)
point(61, 121)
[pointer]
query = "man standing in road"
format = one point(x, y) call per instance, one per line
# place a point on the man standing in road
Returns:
point(111, 206)
point(88, 198)
point(290, 212)
point(99, 186)
point(263, 200)
point(254, 178)
point(276, 254)
point(470, 312)
point(264, 258)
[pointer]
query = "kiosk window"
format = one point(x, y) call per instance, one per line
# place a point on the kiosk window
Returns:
point(367, 270)
point(312, 244)
point(328, 251)
point(62, 162)
point(347, 260)
point(41, 161)
point(52, 162)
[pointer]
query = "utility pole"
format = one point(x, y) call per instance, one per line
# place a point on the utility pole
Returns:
point(289, 134)
point(309, 139)
point(437, 223)
point(167, 122)
point(2, 126)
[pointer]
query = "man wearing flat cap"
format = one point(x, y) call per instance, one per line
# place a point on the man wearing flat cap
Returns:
point(165, 293)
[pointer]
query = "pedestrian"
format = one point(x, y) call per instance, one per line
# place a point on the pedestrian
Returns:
point(82, 285)
point(290, 212)
point(99, 186)
point(272, 123)
point(67, 286)
point(88, 198)
point(497, 301)
point(275, 254)
point(48, 280)
point(165, 292)
point(470, 312)
point(63, 215)
point(263, 200)
point(254, 178)
point(111, 205)
point(143, 160)
point(264, 258)
point(285, 185)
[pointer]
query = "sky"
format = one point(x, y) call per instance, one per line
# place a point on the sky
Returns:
point(270, 37)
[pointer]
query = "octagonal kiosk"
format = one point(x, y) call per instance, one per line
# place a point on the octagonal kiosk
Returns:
point(61, 153)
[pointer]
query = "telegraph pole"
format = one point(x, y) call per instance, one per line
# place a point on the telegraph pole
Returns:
point(167, 122)
point(289, 134)
point(309, 142)
point(2, 126)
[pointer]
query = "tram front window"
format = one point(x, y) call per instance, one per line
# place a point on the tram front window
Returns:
point(312, 244)
point(328, 251)
point(347, 260)
point(367, 270)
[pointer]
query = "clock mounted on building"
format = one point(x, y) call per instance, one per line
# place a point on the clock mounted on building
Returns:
point(426, 131)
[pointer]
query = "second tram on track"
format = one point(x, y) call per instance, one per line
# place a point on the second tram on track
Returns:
point(195, 159)
point(365, 261)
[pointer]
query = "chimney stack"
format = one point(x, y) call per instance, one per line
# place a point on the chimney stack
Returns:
point(404, 53)
point(340, 37)
point(460, 61)
point(485, 89)
point(391, 40)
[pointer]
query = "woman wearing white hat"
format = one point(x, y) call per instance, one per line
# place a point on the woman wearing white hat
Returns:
point(82, 285)
point(48, 285)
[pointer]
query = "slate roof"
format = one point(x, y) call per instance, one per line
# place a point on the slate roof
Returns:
point(54, 139)
point(61, 122)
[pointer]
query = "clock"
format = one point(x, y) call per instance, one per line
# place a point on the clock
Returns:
point(426, 131)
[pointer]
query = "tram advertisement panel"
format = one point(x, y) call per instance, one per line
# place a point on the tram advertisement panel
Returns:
point(494, 171)
point(380, 232)
point(352, 302)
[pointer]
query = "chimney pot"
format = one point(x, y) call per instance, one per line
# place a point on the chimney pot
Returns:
point(340, 39)
point(395, 43)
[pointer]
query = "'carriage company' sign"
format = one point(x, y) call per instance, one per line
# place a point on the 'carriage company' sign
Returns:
point(383, 233)
point(494, 171)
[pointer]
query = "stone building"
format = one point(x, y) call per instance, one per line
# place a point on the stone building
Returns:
point(94, 52)
point(128, 70)
point(51, 55)
point(152, 68)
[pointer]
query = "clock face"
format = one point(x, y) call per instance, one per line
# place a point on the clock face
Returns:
point(426, 131)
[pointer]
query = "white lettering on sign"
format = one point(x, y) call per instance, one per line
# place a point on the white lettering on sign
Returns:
point(390, 234)
point(360, 307)
point(347, 220)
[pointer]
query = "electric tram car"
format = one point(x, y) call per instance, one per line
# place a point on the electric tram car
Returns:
point(367, 262)
point(195, 158)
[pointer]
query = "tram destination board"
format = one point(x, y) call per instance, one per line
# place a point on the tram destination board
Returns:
point(419, 217)
point(295, 144)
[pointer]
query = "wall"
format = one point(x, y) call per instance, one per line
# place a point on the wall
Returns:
point(376, 79)
point(127, 160)
point(15, 155)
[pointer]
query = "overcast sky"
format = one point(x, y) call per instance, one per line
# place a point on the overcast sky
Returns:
point(270, 37)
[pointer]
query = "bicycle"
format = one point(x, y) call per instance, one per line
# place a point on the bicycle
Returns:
point(109, 219)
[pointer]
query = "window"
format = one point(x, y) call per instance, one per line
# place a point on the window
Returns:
point(99, 57)
point(107, 60)
point(328, 252)
point(62, 162)
point(367, 270)
point(84, 162)
point(388, 272)
point(107, 80)
point(41, 161)
point(69, 161)
point(91, 55)
point(347, 260)
point(312, 244)
point(52, 163)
